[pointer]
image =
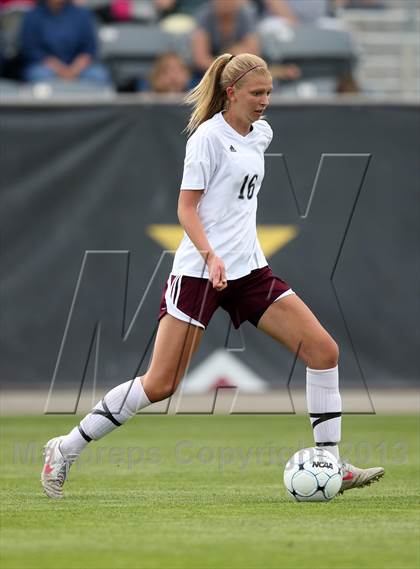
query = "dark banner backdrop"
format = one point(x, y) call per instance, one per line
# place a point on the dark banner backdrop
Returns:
point(95, 178)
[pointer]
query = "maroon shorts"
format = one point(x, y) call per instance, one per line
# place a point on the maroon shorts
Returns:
point(194, 300)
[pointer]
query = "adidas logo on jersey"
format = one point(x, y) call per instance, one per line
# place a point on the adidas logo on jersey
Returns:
point(232, 149)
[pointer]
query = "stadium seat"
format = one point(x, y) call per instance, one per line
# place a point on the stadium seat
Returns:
point(316, 87)
point(13, 90)
point(130, 49)
point(63, 89)
point(319, 52)
point(9, 89)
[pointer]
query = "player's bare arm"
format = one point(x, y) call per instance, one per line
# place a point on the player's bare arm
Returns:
point(190, 221)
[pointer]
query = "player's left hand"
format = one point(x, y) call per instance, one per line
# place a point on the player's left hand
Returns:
point(217, 273)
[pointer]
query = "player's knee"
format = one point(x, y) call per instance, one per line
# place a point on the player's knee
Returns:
point(330, 354)
point(160, 390)
point(324, 354)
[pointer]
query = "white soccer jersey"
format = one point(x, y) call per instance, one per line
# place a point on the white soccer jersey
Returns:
point(229, 168)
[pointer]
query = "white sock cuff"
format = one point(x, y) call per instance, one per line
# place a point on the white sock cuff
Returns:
point(326, 378)
point(322, 371)
point(143, 400)
point(127, 398)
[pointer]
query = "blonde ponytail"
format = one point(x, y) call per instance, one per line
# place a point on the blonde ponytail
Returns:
point(209, 96)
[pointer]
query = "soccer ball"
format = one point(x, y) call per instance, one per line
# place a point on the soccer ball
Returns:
point(312, 475)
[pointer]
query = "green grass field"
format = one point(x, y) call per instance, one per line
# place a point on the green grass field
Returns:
point(201, 492)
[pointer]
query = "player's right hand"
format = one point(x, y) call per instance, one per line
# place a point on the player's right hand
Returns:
point(217, 272)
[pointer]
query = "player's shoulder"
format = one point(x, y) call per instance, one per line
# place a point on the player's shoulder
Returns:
point(263, 128)
point(208, 128)
point(205, 134)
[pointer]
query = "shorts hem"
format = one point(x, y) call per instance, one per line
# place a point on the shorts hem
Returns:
point(179, 315)
point(260, 313)
point(287, 292)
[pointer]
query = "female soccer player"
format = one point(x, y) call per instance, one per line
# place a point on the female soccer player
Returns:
point(220, 263)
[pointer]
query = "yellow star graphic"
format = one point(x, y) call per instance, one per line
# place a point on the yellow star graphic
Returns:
point(271, 237)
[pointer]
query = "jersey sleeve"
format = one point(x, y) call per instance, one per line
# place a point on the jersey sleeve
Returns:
point(199, 163)
point(267, 132)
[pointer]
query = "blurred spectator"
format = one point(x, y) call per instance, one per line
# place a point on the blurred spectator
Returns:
point(2, 50)
point(169, 74)
point(16, 5)
point(295, 11)
point(286, 72)
point(360, 4)
point(58, 42)
point(178, 16)
point(11, 15)
point(189, 7)
point(145, 11)
point(130, 10)
point(121, 11)
point(223, 27)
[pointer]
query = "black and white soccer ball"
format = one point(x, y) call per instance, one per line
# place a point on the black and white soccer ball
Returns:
point(313, 475)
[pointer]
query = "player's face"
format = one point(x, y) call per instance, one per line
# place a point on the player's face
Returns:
point(251, 100)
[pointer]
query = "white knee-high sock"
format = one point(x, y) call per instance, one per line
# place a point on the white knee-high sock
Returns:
point(117, 407)
point(324, 407)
